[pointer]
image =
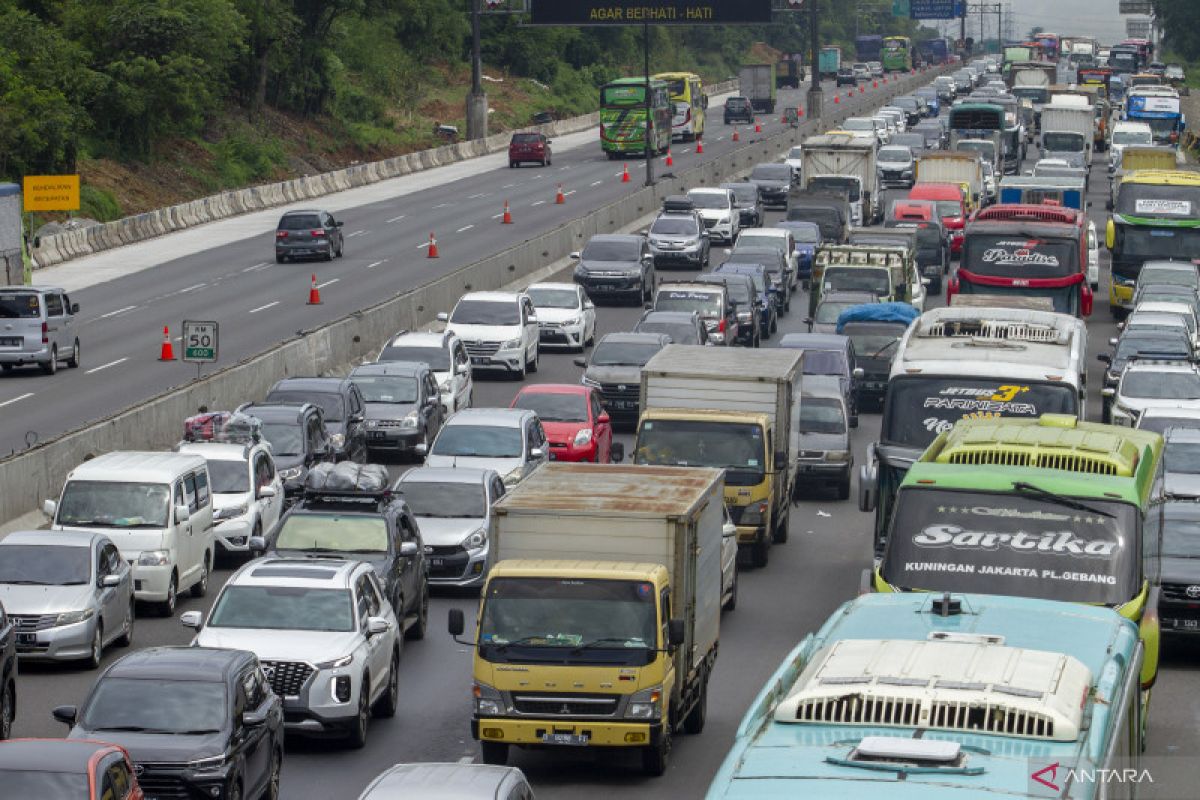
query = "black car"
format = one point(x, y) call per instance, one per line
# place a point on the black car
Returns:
point(403, 404)
point(615, 371)
point(343, 513)
point(8, 674)
point(846, 77)
point(297, 438)
point(308, 234)
point(616, 265)
point(774, 182)
point(747, 201)
point(913, 108)
point(342, 409)
point(196, 721)
point(1179, 601)
point(684, 327)
point(738, 109)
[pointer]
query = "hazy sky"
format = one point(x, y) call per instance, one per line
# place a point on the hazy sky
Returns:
point(1097, 18)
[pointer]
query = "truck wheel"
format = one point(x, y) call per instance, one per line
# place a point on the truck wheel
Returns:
point(760, 553)
point(693, 723)
point(495, 753)
point(655, 757)
point(780, 534)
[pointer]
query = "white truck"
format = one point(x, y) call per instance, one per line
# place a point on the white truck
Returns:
point(960, 167)
point(843, 161)
point(1068, 132)
point(756, 82)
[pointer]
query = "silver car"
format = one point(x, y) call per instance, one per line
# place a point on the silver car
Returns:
point(37, 326)
point(1181, 463)
point(327, 638)
point(453, 507)
point(509, 440)
point(69, 594)
point(823, 453)
point(449, 782)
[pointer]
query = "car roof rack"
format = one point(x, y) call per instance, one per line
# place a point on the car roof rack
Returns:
point(678, 203)
point(347, 482)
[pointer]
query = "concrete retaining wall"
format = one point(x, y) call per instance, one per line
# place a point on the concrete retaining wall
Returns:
point(73, 244)
point(29, 477)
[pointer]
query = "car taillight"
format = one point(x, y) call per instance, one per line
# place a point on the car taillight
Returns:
point(721, 326)
point(45, 333)
point(281, 234)
point(318, 232)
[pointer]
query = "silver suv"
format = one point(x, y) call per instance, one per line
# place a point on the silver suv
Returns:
point(328, 641)
point(37, 326)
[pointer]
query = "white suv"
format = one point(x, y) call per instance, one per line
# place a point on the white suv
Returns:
point(499, 330)
point(718, 211)
point(327, 639)
point(1154, 384)
point(247, 491)
point(446, 356)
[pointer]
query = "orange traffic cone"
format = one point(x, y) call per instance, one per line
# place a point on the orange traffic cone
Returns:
point(507, 215)
point(670, 161)
point(560, 198)
point(699, 147)
point(167, 353)
point(735, 136)
point(433, 253)
point(837, 98)
point(874, 84)
point(799, 112)
point(862, 90)
point(625, 174)
point(314, 293)
point(757, 126)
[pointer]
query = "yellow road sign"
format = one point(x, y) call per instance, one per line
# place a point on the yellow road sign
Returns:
point(51, 192)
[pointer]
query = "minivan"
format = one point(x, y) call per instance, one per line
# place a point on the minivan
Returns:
point(37, 326)
point(156, 508)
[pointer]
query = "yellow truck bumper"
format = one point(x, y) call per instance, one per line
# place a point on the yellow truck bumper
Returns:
point(600, 734)
point(749, 534)
point(1121, 296)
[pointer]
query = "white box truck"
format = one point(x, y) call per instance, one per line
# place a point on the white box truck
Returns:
point(1068, 132)
point(842, 161)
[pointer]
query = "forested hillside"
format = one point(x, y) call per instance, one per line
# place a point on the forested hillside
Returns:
point(157, 101)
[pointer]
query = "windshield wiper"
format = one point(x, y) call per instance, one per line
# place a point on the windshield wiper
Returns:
point(623, 640)
point(132, 729)
point(1059, 499)
point(28, 583)
point(196, 732)
point(887, 346)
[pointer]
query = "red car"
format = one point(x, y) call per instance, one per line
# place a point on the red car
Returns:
point(529, 147)
point(949, 199)
point(576, 425)
point(65, 769)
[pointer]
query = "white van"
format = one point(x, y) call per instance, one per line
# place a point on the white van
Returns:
point(157, 509)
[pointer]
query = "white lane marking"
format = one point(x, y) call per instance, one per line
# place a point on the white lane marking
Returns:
point(595, 183)
point(262, 265)
point(118, 311)
point(396, 219)
point(477, 196)
point(375, 264)
point(356, 233)
point(15, 399)
point(538, 203)
point(106, 366)
point(422, 245)
point(497, 216)
point(563, 169)
point(443, 205)
point(326, 283)
point(720, 138)
point(464, 228)
point(192, 288)
point(508, 186)
point(686, 151)
point(263, 308)
point(568, 194)
point(179, 338)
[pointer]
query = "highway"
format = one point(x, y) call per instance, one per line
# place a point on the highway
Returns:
point(807, 579)
point(234, 280)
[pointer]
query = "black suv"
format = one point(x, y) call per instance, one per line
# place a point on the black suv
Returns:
point(617, 265)
point(8, 673)
point(342, 409)
point(738, 109)
point(196, 721)
point(341, 514)
point(297, 438)
point(747, 201)
point(403, 402)
point(308, 234)
point(846, 77)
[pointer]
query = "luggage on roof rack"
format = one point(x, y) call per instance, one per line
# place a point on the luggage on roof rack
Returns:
point(346, 478)
point(222, 426)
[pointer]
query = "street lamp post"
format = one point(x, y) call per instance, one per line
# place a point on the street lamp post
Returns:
point(816, 97)
point(476, 100)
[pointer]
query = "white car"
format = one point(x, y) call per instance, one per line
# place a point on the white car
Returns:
point(327, 639)
point(510, 441)
point(729, 575)
point(1154, 384)
point(566, 315)
point(1184, 312)
point(498, 329)
point(717, 209)
point(780, 238)
point(1093, 270)
point(794, 160)
point(898, 115)
point(1127, 133)
point(247, 492)
point(446, 356)
point(862, 125)
point(990, 189)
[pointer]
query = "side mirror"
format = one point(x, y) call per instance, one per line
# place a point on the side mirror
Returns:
point(339, 223)
point(456, 624)
point(65, 714)
point(531, 319)
point(1110, 233)
point(603, 419)
point(266, 492)
point(191, 619)
point(575, 255)
point(49, 507)
point(442, 316)
point(74, 308)
point(536, 453)
point(648, 306)
point(617, 452)
point(1113, 341)
point(1104, 358)
point(376, 626)
point(421, 449)
point(257, 544)
point(580, 362)
point(858, 372)
point(409, 550)
point(255, 719)
point(781, 461)
point(676, 632)
point(182, 513)
point(355, 419)
point(1108, 391)
point(110, 581)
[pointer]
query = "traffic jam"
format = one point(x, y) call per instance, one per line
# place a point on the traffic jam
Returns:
point(559, 495)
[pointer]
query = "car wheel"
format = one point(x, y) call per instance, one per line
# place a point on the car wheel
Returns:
point(520, 374)
point(73, 359)
point(126, 637)
point(656, 756)
point(96, 651)
point(235, 790)
point(512, 165)
point(774, 324)
point(200, 587)
point(494, 753)
point(385, 707)
point(279, 259)
point(167, 607)
point(329, 253)
point(341, 247)
point(274, 777)
point(417, 631)
point(536, 353)
point(51, 366)
point(8, 711)
point(357, 737)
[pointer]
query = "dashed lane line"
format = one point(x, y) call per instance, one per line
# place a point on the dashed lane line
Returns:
point(263, 308)
point(106, 366)
point(15, 399)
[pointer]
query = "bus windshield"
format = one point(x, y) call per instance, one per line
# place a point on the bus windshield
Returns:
point(1134, 241)
point(623, 95)
point(1018, 544)
point(1014, 255)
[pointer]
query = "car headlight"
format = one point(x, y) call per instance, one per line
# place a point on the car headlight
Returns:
point(586, 381)
point(72, 617)
point(583, 437)
point(838, 456)
point(511, 344)
point(444, 386)
point(753, 515)
point(154, 558)
point(212, 762)
point(488, 701)
point(476, 540)
point(723, 221)
point(646, 704)
point(338, 440)
point(232, 511)
point(344, 661)
point(411, 421)
point(566, 323)
point(291, 473)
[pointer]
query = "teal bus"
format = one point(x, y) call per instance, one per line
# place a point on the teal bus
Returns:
point(915, 697)
point(897, 54)
point(623, 117)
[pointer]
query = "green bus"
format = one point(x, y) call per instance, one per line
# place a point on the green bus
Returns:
point(623, 120)
point(1050, 508)
point(897, 54)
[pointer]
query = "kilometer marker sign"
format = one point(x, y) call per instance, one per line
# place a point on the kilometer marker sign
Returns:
point(200, 341)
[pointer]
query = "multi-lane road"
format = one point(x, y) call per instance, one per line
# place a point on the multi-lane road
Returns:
point(807, 578)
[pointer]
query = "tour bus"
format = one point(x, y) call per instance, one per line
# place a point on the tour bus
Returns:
point(1156, 215)
point(688, 104)
point(1049, 508)
point(623, 122)
point(913, 697)
point(963, 362)
point(1050, 45)
point(897, 54)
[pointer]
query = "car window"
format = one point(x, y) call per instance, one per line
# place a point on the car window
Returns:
point(202, 488)
point(179, 500)
point(597, 409)
point(189, 489)
point(368, 598)
point(54, 305)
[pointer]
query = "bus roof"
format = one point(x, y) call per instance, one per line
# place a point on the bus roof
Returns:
point(668, 76)
point(637, 81)
point(1164, 177)
point(1030, 663)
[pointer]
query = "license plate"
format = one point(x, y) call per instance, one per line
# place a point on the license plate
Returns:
point(569, 739)
point(26, 638)
point(479, 359)
point(1186, 624)
point(377, 434)
point(624, 404)
point(10, 341)
point(437, 562)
